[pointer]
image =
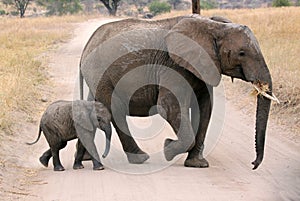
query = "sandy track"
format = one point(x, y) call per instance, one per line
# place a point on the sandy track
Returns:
point(229, 177)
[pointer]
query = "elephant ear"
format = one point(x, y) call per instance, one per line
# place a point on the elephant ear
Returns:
point(82, 115)
point(191, 47)
point(85, 120)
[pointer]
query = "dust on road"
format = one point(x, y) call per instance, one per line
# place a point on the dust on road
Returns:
point(229, 176)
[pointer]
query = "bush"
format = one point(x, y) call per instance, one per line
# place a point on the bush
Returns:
point(157, 7)
point(208, 4)
point(61, 7)
point(2, 12)
point(14, 13)
point(280, 3)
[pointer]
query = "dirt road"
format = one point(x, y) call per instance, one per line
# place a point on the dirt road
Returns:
point(229, 176)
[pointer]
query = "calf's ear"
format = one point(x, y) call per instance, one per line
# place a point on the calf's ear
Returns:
point(82, 115)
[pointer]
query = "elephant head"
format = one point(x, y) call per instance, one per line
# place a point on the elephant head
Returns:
point(89, 115)
point(230, 49)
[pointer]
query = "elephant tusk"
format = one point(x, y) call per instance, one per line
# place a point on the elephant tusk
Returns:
point(261, 89)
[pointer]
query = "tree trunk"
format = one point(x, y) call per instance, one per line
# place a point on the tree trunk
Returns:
point(196, 6)
point(112, 8)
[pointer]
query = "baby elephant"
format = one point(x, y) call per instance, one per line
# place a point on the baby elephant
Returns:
point(66, 120)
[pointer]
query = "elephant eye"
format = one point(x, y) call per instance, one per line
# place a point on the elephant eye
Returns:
point(242, 53)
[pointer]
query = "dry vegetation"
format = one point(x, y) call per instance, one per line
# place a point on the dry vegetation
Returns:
point(21, 72)
point(278, 32)
point(22, 75)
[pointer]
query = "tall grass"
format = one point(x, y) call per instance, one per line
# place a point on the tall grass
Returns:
point(21, 42)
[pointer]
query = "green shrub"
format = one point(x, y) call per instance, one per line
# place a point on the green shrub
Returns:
point(157, 7)
point(2, 12)
point(208, 4)
point(14, 13)
point(61, 7)
point(280, 3)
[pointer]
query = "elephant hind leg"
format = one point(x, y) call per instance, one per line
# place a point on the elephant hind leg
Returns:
point(55, 154)
point(134, 154)
point(119, 111)
point(44, 159)
point(169, 108)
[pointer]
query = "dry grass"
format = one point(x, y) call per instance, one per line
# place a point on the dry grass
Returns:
point(23, 80)
point(278, 31)
point(21, 41)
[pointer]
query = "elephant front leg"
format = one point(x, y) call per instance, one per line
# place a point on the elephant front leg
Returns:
point(200, 124)
point(174, 109)
point(79, 156)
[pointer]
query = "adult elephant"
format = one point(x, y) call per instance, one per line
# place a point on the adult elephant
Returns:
point(139, 67)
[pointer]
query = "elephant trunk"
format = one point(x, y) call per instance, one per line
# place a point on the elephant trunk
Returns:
point(107, 130)
point(262, 114)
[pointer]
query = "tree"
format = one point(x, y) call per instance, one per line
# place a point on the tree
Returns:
point(111, 6)
point(60, 7)
point(21, 5)
point(196, 6)
point(281, 3)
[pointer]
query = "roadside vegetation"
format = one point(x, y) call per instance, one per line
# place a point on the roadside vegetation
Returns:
point(21, 69)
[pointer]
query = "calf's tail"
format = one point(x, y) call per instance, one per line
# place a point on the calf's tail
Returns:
point(39, 135)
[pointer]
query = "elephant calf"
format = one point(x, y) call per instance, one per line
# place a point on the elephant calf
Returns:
point(66, 120)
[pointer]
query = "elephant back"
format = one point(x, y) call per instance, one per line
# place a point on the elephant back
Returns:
point(110, 30)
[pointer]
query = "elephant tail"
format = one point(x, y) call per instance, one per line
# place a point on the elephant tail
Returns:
point(80, 84)
point(39, 135)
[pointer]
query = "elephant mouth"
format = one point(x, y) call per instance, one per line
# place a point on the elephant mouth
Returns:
point(241, 72)
point(236, 72)
point(263, 89)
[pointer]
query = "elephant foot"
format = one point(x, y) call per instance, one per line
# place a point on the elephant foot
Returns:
point(98, 168)
point(168, 151)
point(44, 160)
point(97, 165)
point(59, 168)
point(196, 162)
point(78, 166)
point(137, 158)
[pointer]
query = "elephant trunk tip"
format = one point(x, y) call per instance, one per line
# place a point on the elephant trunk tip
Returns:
point(257, 162)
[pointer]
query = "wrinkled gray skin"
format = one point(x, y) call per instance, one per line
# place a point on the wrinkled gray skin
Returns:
point(66, 120)
point(233, 49)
